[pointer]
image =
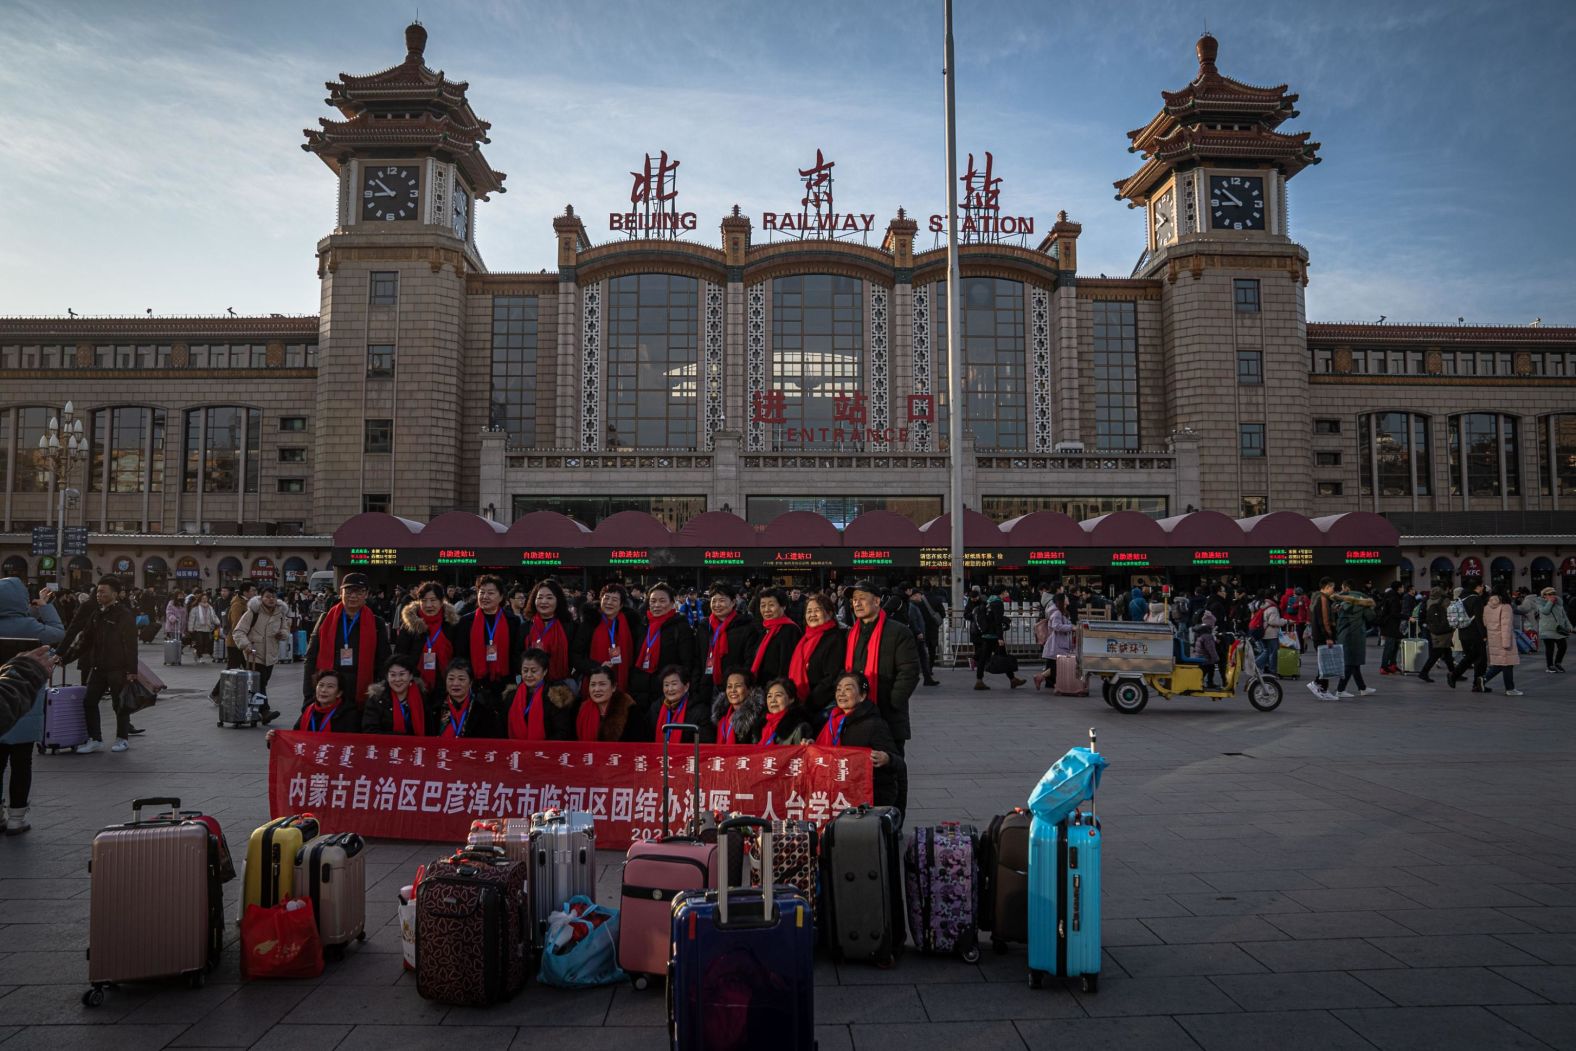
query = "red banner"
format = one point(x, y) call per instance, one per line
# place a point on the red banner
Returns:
point(423, 788)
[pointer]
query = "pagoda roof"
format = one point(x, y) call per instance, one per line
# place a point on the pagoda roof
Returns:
point(1214, 95)
point(1197, 143)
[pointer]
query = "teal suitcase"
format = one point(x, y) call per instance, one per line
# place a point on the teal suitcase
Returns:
point(1064, 900)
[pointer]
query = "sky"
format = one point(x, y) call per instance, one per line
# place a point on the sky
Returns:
point(150, 154)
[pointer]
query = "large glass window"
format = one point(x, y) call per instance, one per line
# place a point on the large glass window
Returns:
point(1005, 508)
point(818, 343)
point(1116, 375)
point(31, 474)
point(1479, 443)
point(222, 447)
point(840, 510)
point(1390, 441)
point(652, 324)
point(995, 388)
point(514, 368)
point(128, 450)
point(1557, 455)
point(673, 511)
point(5, 452)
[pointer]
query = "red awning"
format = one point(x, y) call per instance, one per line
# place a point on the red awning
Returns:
point(717, 529)
point(1203, 529)
point(883, 529)
point(1125, 529)
point(800, 529)
point(1358, 529)
point(1281, 529)
point(630, 529)
point(547, 529)
point(376, 529)
point(462, 529)
point(978, 531)
point(1050, 529)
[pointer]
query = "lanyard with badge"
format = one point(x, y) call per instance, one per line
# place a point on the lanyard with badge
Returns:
point(613, 656)
point(645, 651)
point(492, 629)
point(429, 656)
point(347, 655)
point(711, 651)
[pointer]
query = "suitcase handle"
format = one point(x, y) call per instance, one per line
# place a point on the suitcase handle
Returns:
point(667, 770)
point(767, 901)
point(166, 801)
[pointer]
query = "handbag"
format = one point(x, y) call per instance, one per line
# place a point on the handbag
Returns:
point(581, 946)
point(281, 941)
point(1332, 660)
point(1001, 664)
point(134, 697)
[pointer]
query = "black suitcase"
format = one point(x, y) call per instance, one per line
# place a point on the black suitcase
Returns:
point(1004, 879)
point(863, 885)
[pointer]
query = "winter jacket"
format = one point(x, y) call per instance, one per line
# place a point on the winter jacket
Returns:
point(1354, 611)
point(377, 716)
point(1436, 620)
point(410, 634)
point(1273, 623)
point(21, 693)
point(897, 672)
point(104, 638)
point(623, 720)
point(696, 714)
point(1063, 636)
point(825, 665)
point(1388, 613)
point(1553, 622)
point(743, 635)
point(558, 716)
point(1137, 605)
point(21, 620)
point(1472, 631)
point(796, 727)
point(864, 728)
point(201, 619)
point(261, 631)
point(1204, 647)
point(461, 635)
point(1499, 629)
point(174, 619)
point(675, 645)
point(777, 654)
point(747, 717)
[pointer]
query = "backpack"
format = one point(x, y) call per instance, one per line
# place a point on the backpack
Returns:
point(1437, 618)
point(1293, 606)
point(1456, 616)
point(1256, 624)
point(982, 621)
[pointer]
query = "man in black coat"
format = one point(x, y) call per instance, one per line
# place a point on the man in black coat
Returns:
point(337, 642)
point(896, 665)
point(1474, 639)
point(1389, 621)
point(103, 635)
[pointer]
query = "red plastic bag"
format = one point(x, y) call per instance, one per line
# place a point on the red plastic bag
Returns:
point(281, 941)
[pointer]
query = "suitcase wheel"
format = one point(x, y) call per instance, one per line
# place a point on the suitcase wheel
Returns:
point(94, 997)
point(998, 946)
point(197, 979)
point(640, 981)
point(971, 954)
point(1091, 983)
point(1036, 979)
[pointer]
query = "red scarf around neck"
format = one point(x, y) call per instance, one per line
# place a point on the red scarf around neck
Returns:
point(436, 640)
point(549, 636)
point(497, 668)
point(671, 714)
point(872, 651)
point(769, 727)
point(601, 644)
point(365, 647)
point(414, 724)
point(719, 646)
point(588, 721)
point(459, 717)
point(725, 728)
point(772, 627)
point(799, 664)
point(650, 660)
point(527, 717)
point(832, 732)
point(322, 717)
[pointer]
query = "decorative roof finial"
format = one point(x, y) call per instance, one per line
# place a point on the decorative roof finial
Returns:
point(735, 211)
point(901, 213)
point(415, 41)
point(1061, 216)
point(569, 210)
point(1207, 47)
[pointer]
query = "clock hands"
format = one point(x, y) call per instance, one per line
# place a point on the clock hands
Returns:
point(386, 191)
point(1228, 195)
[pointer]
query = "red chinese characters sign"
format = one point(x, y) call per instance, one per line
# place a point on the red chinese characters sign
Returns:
point(430, 790)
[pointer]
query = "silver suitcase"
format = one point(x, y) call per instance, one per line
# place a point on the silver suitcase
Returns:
point(236, 687)
point(563, 863)
point(286, 652)
point(172, 650)
point(332, 871)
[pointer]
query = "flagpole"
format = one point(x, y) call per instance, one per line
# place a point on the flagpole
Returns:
point(955, 407)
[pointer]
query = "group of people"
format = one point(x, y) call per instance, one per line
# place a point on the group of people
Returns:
point(760, 668)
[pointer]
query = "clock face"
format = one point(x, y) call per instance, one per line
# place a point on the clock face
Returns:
point(391, 193)
point(1236, 202)
point(1165, 219)
point(461, 219)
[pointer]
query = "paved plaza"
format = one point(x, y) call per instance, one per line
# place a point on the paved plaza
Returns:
point(1395, 872)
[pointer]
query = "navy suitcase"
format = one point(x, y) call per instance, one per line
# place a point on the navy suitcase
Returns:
point(742, 973)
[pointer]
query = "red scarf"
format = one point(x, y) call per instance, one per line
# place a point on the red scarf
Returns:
point(725, 729)
point(769, 727)
point(588, 722)
point(719, 646)
point(417, 726)
point(799, 664)
point(498, 667)
point(550, 637)
point(832, 732)
point(454, 725)
point(650, 660)
point(872, 651)
point(436, 640)
point(527, 718)
point(600, 644)
point(330, 639)
point(772, 627)
point(668, 715)
point(324, 723)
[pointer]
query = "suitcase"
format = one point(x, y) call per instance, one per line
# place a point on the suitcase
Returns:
point(1064, 900)
point(742, 971)
point(656, 872)
point(513, 835)
point(270, 860)
point(300, 643)
point(1068, 681)
point(236, 687)
point(1414, 654)
point(65, 718)
point(1004, 885)
point(332, 871)
point(1288, 663)
point(796, 860)
point(286, 651)
point(155, 907)
point(172, 650)
point(563, 863)
point(863, 877)
point(472, 919)
point(942, 879)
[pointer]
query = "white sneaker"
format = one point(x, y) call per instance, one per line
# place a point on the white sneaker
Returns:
point(1368, 691)
point(1514, 693)
point(1346, 693)
point(1313, 688)
point(1326, 695)
point(120, 745)
point(90, 747)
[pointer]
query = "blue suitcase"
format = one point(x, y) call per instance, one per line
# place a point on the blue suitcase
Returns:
point(301, 641)
point(1064, 900)
point(742, 973)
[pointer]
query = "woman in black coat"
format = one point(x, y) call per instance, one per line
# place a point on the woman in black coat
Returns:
point(785, 721)
point(856, 723)
point(537, 709)
point(779, 634)
point(398, 704)
point(607, 637)
point(462, 712)
point(726, 640)
point(678, 705)
point(666, 640)
point(817, 659)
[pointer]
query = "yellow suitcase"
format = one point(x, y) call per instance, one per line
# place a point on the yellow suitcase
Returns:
point(270, 859)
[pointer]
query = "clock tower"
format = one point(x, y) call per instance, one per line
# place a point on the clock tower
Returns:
point(1213, 189)
point(408, 159)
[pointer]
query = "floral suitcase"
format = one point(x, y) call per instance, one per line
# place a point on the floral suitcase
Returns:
point(943, 877)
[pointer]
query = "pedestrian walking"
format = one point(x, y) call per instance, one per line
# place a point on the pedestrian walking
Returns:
point(1436, 622)
point(262, 629)
point(1321, 627)
point(203, 622)
point(1354, 612)
point(1389, 617)
point(1470, 630)
point(991, 623)
point(103, 637)
point(1554, 628)
point(1499, 636)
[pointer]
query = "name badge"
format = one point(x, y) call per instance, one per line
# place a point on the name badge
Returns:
point(614, 657)
point(708, 665)
point(492, 653)
point(429, 661)
point(347, 657)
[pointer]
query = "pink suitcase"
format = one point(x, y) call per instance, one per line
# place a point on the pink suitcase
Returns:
point(655, 872)
point(1068, 681)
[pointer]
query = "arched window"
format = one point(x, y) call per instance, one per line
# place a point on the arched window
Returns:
point(15, 566)
point(1542, 571)
point(995, 355)
point(1557, 458)
point(29, 467)
point(155, 572)
point(1393, 447)
point(818, 350)
point(1501, 572)
point(1485, 459)
point(222, 445)
point(652, 332)
point(128, 450)
point(229, 570)
point(295, 571)
point(1442, 572)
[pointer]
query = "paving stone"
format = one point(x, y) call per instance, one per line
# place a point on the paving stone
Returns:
point(1552, 920)
point(1282, 1030)
point(539, 1006)
point(643, 1007)
point(1127, 932)
point(935, 1036)
point(1320, 954)
point(962, 1003)
point(426, 1037)
point(1460, 950)
point(126, 1037)
point(1159, 961)
point(1129, 1034)
point(1174, 931)
point(1336, 925)
point(1351, 899)
point(1459, 921)
point(1154, 996)
point(1554, 1024)
point(1299, 991)
point(321, 1036)
point(846, 1004)
point(1437, 1029)
point(242, 1019)
point(1456, 986)
point(913, 968)
point(1259, 879)
point(1552, 983)
point(1550, 948)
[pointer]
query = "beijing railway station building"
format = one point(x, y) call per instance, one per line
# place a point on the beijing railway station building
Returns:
point(765, 362)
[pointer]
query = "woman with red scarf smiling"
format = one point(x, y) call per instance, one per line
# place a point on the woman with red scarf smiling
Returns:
point(330, 711)
point(817, 659)
point(667, 640)
point(608, 713)
point(398, 705)
point(463, 713)
point(677, 706)
point(727, 639)
point(426, 635)
point(490, 639)
point(738, 712)
point(550, 628)
point(855, 723)
point(786, 721)
point(778, 636)
point(607, 636)
point(349, 639)
point(538, 709)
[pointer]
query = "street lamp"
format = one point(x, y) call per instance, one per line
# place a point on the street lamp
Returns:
point(61, 447)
